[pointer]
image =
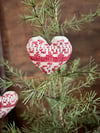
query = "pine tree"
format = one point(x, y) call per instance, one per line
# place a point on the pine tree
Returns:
point(64, 100)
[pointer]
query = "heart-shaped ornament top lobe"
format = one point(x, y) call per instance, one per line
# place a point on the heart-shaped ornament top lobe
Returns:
point(7, 102)
point(49, 57)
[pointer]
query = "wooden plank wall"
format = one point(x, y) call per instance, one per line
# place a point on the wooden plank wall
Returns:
point(2, 72)
point(15, 35)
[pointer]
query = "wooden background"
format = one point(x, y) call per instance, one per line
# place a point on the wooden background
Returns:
point(15, 34)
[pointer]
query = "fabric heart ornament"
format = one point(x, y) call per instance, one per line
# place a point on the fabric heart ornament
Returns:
point(7, 102)
point(49, 57)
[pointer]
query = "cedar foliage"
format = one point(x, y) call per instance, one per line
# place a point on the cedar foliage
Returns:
point(65, 100)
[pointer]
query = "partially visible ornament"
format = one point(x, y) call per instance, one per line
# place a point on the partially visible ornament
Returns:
point(7, 102)
point(49, 57)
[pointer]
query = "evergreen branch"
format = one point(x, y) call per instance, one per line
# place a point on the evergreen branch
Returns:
point(17, 77)
point(75, 24)
point(78, 112)
point(44, 89)
point(97, 130)
point(5, 84)
point(45, 17)
point(11, 128)
point(55, 82)
point(76, 70)
point(30, 3)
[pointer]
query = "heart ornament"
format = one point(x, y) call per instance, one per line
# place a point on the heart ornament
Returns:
point(7, 102)
point(49, 57)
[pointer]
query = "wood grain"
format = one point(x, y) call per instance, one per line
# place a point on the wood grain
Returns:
point(85, 43)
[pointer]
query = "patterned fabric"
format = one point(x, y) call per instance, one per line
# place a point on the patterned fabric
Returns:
point(49, 57)
point(7, 102)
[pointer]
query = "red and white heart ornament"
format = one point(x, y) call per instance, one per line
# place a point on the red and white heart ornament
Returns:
point(49, 57)
point(7, 102)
